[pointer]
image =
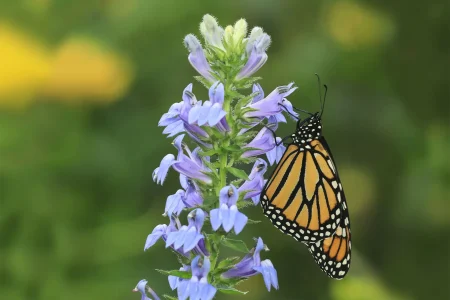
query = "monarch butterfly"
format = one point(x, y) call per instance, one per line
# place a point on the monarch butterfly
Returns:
point(304, 197)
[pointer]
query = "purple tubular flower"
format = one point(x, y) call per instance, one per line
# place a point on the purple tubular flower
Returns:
point(174, 281)
point(211, 111)
point(269, 274)
point(197, 287)
point(192, 196)
point(251, 265)
point(140, 287)
point(172, 121)
point(190, 165)
point(197, 57)
point(188, 236)
point(227, 214)
point(278, 117)
point(254, 186)
point(276, 153)
point(160, 173)
point(256, 52)
point(176, 119)
point(273, 104)
point(162, 231)
point(175, 203)
point(263, 142)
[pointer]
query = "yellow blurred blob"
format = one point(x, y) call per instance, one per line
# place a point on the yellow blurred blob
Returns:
point(353, 25)
point(24, 67)
point(359, 190)
point(83, 70)
point(362, 288)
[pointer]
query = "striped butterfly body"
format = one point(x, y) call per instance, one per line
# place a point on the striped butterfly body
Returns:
point(304, 199)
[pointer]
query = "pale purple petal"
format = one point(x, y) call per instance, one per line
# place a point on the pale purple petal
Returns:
point(269, 274)
point(229, 195)
point(217, 93)
point(204, 112)
point(173, 282)
point(228, 217)
point(194, 114)
point(264, 141)
point(214, 217)
point(156, 234)
point(160, 173)
point(197, 57)
point(240, 222)
point(216, 113)
point(174, 203)
point(257, 89)
point(192, 238)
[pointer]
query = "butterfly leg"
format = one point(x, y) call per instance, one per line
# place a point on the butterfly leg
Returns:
point(275, 136)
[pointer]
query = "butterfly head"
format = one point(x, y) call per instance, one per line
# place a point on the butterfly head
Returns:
point(309, 129)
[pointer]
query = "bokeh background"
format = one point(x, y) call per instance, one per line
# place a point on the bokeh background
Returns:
point(84, 83)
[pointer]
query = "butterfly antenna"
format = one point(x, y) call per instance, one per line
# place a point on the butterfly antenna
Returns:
point(320, 88)
point(324, 98)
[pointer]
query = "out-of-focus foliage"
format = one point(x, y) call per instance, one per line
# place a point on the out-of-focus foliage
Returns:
point(82, 87)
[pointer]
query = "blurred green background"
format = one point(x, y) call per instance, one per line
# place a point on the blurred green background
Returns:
point(84, 83)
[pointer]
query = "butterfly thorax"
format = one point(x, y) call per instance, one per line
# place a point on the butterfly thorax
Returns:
point(308, 131)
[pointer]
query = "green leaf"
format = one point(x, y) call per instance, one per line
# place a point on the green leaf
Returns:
point(238, 173)
point(237, 245)
point(177, 273)
point(170, 297)
point(231, 291)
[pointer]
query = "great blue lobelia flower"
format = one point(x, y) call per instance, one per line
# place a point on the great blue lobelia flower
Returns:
point(188, 236)
point(252, 265)
point(210, 112)
point(257, 44)
point(227, 215)
point(197, 287)
point(190, 165)
point(197, 57)
point(142, 287)
point(255, 184)
point(273, 104)
point(176, 119)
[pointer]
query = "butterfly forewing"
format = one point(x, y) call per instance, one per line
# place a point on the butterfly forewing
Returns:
point(301, 198)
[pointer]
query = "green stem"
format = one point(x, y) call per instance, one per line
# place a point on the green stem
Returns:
point(223, 171)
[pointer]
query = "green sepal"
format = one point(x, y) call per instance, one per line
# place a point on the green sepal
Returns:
point(238, 173)
point(245, 203)
point(241, 103)
point(177, 273)
point(210, 152)
point(181, 258)
point(250, 221)
point(237, 245)
point(170, 297)
point(228, 263)
point(203, 81)
point(232, 148)
point(247, 83)
point(231, 291)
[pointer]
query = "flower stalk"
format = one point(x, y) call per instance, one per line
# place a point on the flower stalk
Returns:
point(214, 136)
